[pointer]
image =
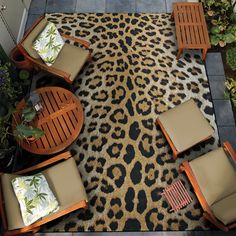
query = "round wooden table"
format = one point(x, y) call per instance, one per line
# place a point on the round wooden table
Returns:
point(61, 120)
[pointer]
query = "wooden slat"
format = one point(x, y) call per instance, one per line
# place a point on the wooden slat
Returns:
point(54, 112)
point(48, 134)
point(51, 124)
point(65, 115)
point(61, 120)
point(191, 28)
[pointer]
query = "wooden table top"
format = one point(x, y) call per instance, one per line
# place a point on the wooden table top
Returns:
point(61, 120)
point(191, 28)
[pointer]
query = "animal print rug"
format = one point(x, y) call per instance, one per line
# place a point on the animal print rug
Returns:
point(123, 157)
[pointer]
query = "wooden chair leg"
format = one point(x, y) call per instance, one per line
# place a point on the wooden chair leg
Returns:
point(204, 53)
point(180, 51)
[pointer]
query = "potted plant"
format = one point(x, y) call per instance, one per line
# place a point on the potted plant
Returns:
point(24, 130)
point(19, 60)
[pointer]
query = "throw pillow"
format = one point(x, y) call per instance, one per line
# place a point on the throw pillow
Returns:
point(49, 43)
point(35, 197)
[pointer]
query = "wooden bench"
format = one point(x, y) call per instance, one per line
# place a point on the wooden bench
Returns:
point(191, 28)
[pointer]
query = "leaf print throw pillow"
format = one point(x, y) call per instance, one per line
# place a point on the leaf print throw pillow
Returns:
point(49, 43)
point(35, 197)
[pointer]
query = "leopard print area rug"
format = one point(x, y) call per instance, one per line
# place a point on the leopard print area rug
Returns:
point(123, 157)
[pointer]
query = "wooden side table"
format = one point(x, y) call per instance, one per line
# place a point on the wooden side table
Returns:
point(191, 28)
point(61, 120)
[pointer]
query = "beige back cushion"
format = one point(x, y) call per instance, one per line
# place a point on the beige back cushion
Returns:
point(225, 209)
point(215, 175)
point(12, 208)
point(28, 42)
point(65, 182)
point(71, 59)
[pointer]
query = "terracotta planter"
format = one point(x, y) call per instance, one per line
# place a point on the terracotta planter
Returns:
point(19, 60)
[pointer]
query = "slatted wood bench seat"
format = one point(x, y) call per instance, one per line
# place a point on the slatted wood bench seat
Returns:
point(191, 28)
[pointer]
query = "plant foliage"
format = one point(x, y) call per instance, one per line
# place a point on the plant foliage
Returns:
point(231, 58)
point(221, 21)
point(231, 90)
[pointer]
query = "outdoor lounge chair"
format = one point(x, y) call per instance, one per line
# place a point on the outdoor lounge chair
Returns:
point(213, 177)
point(69, 61)
point(59, 176)
point(184, 126)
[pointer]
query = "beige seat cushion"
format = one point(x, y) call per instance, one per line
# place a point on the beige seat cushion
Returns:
point(225, 209)
point(215, 175)
point(71, 59)
point(28, 42)
point(63, 179)
point(185, 125)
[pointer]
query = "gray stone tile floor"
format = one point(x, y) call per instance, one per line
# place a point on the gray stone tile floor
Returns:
point(214, 68)
point(223, 109)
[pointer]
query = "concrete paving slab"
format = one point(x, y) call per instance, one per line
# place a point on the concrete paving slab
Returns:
point(214, 64)
point(120, 6)
point(217, 88)
point(224, 113)
point(67, 6)
point(216, 77)
point(97, 6)
point(156, 6)
point(30, 20)
point(37, 7)
point(228, 134)
point(169, 4)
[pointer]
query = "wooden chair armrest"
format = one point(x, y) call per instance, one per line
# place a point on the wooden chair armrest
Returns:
point(228, 148)
point(62, 156)
point(78, 40)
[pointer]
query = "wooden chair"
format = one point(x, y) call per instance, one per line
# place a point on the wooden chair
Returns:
point(69, 61)
point(213, 177)
point(64, 180)
point(184, 126)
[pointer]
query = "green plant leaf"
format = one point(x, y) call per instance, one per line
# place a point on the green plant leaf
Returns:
point(29, 116)
point(231, 61)
point(215, 29)
point(234, 102)
point(215, 39)
point(24, 131)
point(24, 74)
point(233, 17)
point(229, 38)
point(226, 96)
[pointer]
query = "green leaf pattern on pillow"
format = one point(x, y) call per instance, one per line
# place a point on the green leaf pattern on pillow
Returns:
point(35, 197)
point(49, 43)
